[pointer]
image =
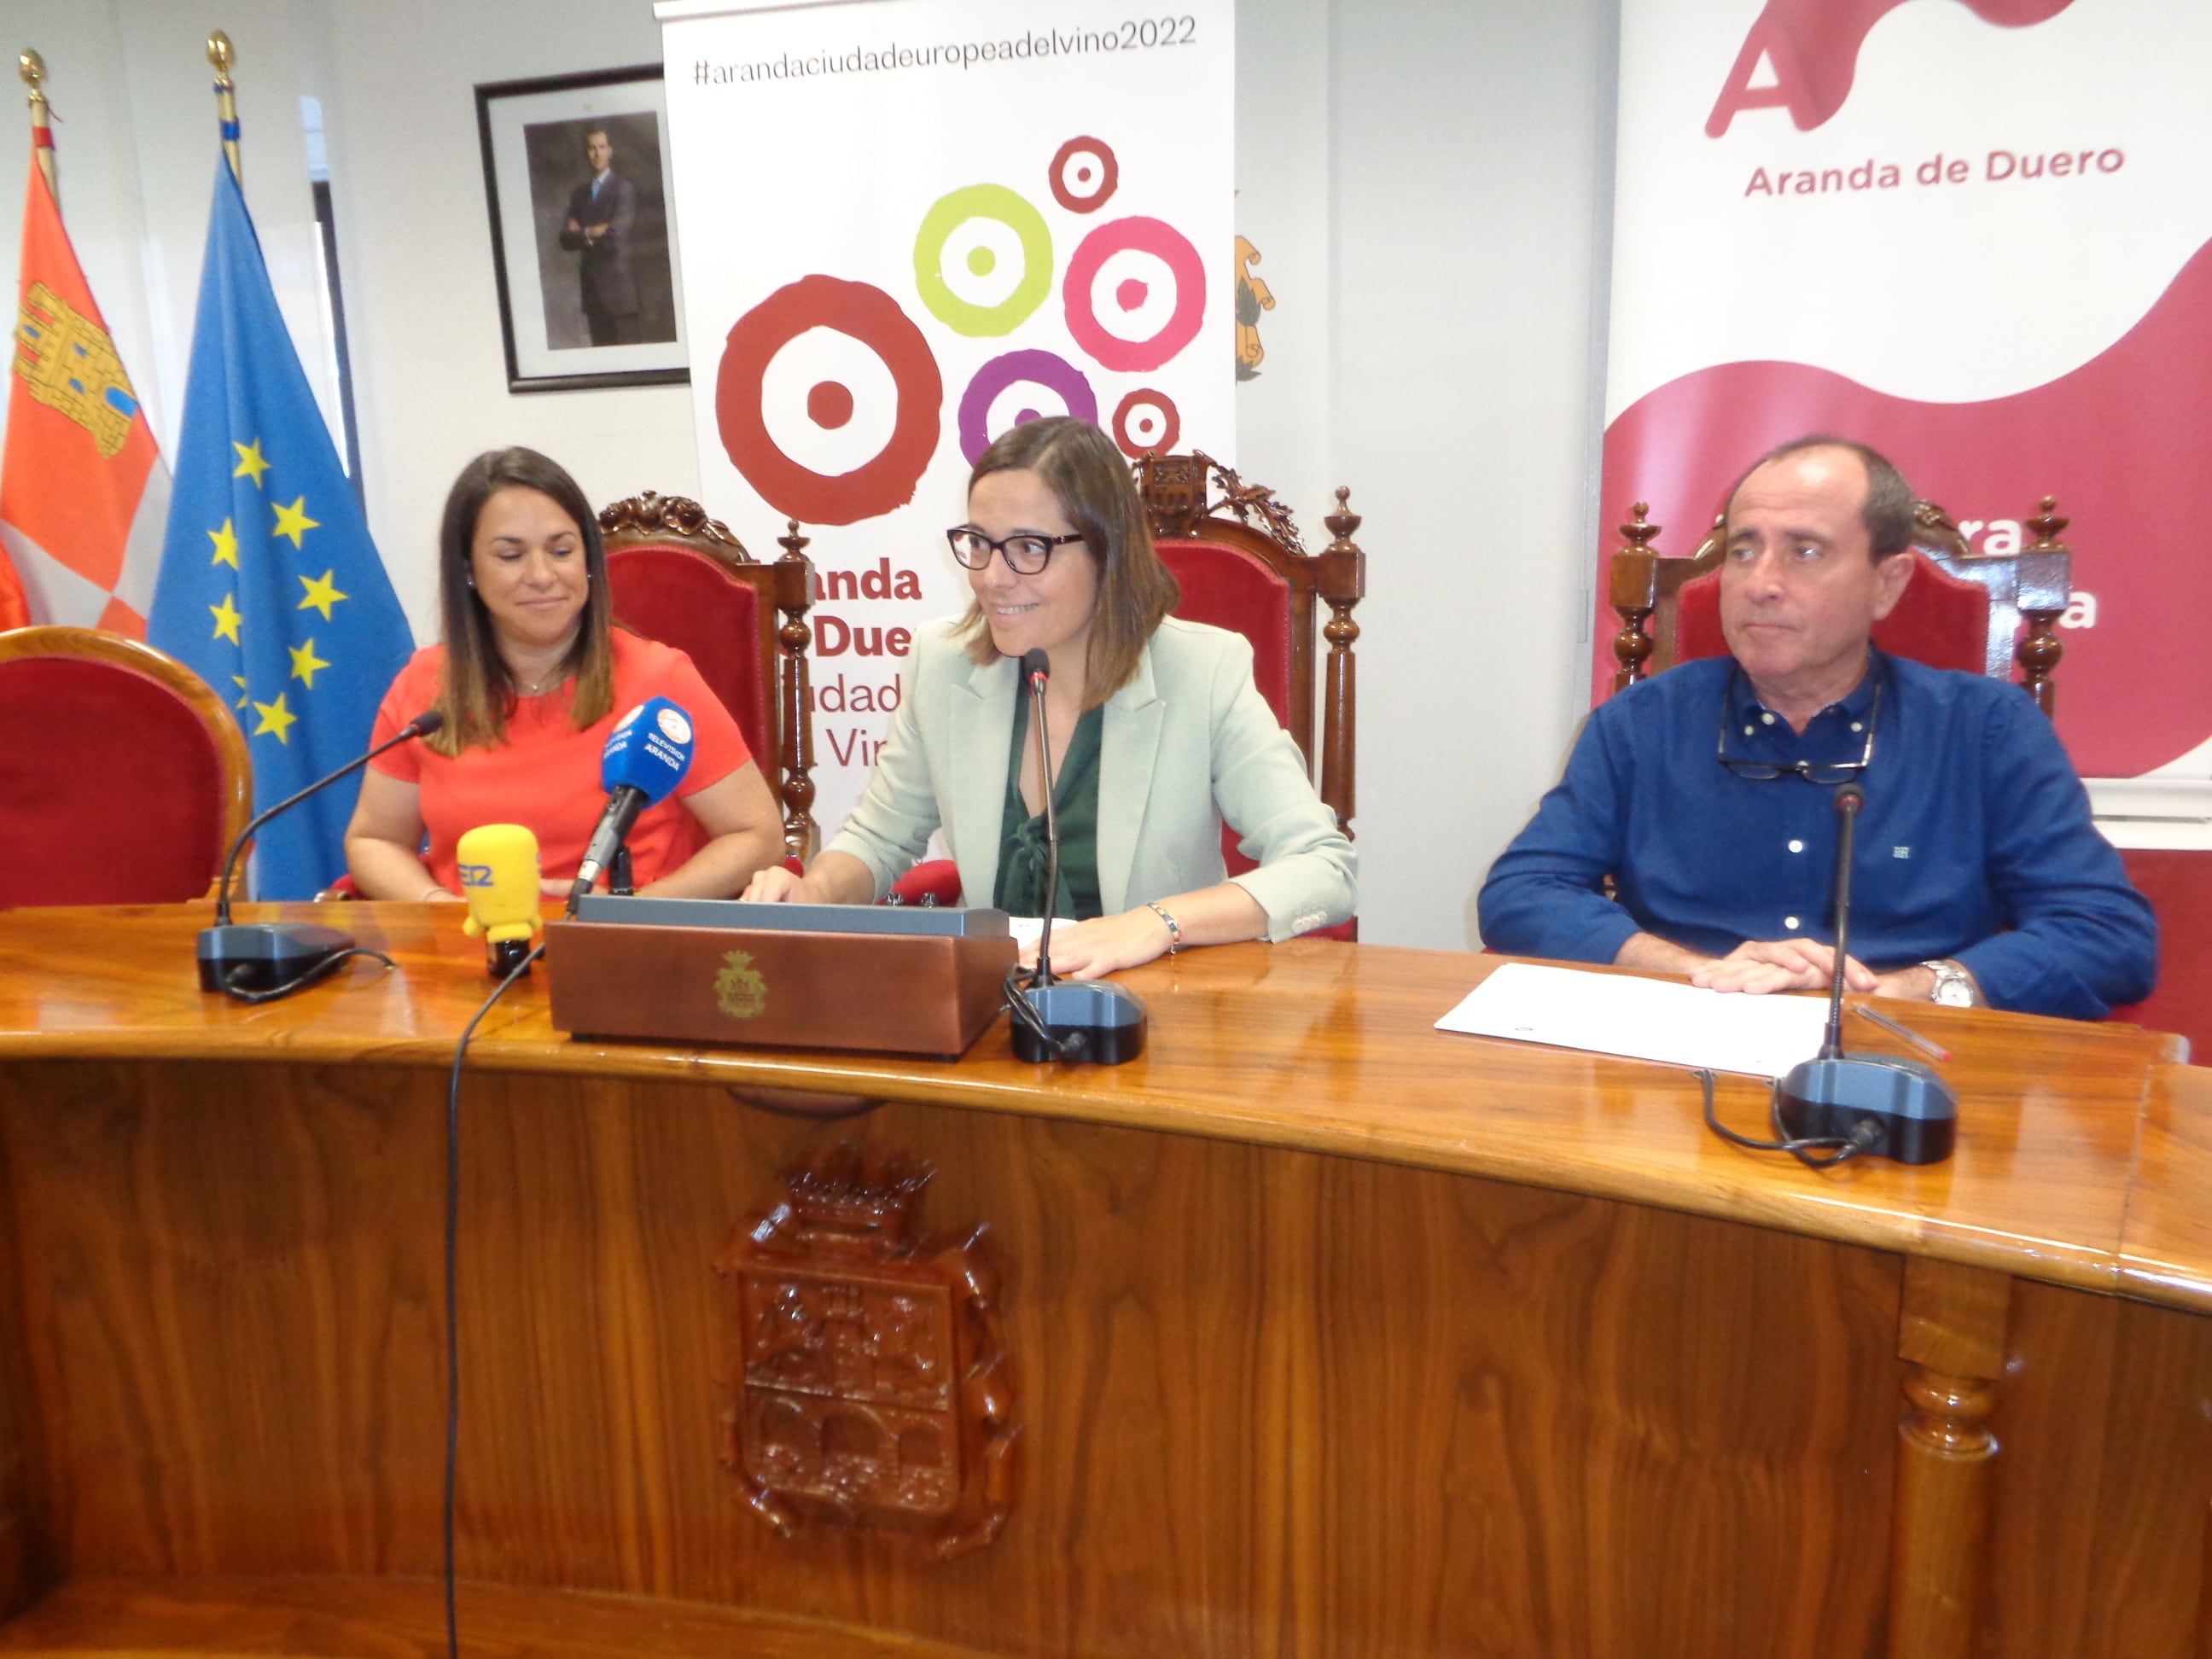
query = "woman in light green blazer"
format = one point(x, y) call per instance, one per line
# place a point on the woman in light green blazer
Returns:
point(1159, 735)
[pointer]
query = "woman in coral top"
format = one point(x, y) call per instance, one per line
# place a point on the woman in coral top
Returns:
point(530, 679)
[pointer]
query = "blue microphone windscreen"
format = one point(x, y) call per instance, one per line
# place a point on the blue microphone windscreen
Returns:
point(649, 751)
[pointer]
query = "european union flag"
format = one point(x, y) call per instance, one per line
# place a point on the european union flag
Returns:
point(270, 589)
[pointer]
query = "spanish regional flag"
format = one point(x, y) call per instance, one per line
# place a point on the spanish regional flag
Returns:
point(84, 499)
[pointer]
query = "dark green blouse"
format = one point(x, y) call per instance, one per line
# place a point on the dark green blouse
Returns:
point(1023, 855)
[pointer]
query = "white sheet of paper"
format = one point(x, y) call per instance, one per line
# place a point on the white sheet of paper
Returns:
point(1642, 1020)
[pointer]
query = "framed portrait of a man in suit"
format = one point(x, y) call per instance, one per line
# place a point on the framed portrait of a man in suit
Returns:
point(575, 168)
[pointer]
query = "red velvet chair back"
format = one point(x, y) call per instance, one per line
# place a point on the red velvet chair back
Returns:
point(124, 778)
point(1242, 564)
point(679, 577)
point(2179, 885)
point(699, 606)
point(1235, 588)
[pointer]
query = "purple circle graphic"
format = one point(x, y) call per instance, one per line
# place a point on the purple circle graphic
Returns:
point(1045, 369)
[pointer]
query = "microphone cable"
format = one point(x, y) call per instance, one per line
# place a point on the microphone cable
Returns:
point(453, 1291)
point(321, 970)
point(1017, 986)
point(1842, 1148)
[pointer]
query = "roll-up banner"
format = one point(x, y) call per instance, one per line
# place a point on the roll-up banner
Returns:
point(907, 225)
point(1971, 233)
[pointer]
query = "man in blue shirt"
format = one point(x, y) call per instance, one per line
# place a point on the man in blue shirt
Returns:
point(1707, 793)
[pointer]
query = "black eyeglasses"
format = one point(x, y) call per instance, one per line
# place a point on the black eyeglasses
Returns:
point(1811, 771)
point(1025, 553)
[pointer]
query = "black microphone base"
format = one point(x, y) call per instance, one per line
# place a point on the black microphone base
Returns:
point(503, 955)
point(261, 955)
point(1913, 1107)
point(1094, 1023)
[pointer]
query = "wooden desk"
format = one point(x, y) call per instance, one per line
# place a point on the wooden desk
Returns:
point(1328, 1334)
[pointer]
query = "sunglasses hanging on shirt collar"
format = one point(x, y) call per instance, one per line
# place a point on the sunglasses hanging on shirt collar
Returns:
point(1826, 772)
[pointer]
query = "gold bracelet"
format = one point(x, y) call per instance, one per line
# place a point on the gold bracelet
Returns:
point(1174, 932)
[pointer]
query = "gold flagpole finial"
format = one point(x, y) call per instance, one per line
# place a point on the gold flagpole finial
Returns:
point(226, 104)
point(33, 68)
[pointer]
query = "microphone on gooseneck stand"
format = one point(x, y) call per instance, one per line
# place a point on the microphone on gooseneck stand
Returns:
point(1884, 1105)
point(262, 958)
point(1036, 674)
point(1096, 1021)
point(645, 757)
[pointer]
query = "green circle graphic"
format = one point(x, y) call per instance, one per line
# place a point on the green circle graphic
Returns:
point(949, 213)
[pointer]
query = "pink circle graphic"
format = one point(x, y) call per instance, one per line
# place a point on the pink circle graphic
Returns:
point(1098, 164)
point(872, 317)
point(1042, 368)
point(1140, 235)
point(1146, 399)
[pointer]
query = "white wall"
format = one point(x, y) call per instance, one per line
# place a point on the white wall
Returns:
point(1435, 176)
point(1427, 180)
point(415, 251)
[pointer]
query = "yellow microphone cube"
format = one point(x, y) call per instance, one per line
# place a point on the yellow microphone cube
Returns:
point(499, 879)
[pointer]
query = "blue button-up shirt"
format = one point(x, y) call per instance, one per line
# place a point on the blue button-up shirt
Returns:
point(1975, 842)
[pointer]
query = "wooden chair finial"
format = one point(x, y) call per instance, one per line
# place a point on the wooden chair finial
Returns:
point(2046, 523)
point(1634, 583)
point(1342, 522)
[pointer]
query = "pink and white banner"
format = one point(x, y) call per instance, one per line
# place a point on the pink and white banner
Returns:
point(907, 225)
point(1975, 233)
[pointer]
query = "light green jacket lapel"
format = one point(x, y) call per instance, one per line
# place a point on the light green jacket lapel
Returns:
point(1130, 745)
point(981, 705)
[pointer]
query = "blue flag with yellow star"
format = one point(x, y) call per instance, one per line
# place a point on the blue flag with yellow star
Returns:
point(270, 589)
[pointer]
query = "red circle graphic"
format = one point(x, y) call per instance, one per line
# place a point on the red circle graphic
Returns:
point(872, 317)
point(1110, 175)
point(1171, 421)
point(1143, 235)
point(830, 404)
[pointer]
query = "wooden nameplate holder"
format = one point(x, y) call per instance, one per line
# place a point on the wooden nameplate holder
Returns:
point(919, 988)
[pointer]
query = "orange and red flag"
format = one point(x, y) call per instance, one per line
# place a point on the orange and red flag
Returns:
point(84, 497)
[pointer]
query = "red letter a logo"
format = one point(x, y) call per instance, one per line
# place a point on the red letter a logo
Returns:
point(1812, 49)
point(1772, 42)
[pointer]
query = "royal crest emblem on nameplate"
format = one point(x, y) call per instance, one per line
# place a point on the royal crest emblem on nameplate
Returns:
point(739, 990)
point(871, 1383)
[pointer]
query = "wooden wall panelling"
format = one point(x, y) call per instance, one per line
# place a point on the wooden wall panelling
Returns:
point(229, 1289)
point(231, 1617)
point(1597, 1429)
point(1273, 1403)
point(2105, 1420)
point(27, 1554)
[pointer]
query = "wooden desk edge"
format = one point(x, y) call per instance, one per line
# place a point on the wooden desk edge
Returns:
point(1813, 1211)
point(518, 1041)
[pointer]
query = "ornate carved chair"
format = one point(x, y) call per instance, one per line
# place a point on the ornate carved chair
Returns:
point(124, 778)
point(1243, 566)
point(1237, 553)
point(680, 577)
point(1962, 609)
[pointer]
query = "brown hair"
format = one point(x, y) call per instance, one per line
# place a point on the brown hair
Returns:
point(1887, 512)
point(1086, 474)
point(476, 691)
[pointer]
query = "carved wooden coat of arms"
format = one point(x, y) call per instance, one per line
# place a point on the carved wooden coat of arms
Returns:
point(872, 1384)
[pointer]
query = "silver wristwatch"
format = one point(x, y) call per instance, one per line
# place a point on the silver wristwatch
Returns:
point(1955, 986)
